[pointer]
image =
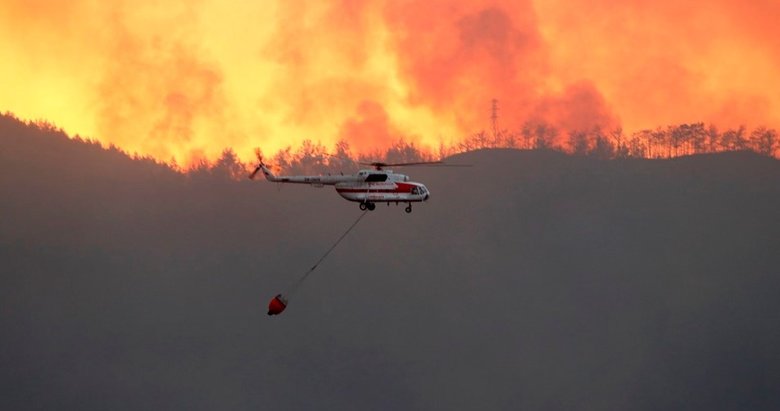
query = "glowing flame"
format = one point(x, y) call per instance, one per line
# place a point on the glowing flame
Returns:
point(186, 79)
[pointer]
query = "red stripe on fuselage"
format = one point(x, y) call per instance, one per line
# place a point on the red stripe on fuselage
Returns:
point(357, 190)
point(400, 188)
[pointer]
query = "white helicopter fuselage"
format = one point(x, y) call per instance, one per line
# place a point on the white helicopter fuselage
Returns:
point(369, 187)
point(366, 187)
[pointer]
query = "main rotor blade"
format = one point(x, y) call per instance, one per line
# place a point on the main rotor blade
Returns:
point(414, 163)
point(378, 165)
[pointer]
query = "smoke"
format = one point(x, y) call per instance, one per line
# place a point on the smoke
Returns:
point(579, 107)
point(669, 62)
point(162, 99)
point(181, 78)
point(369, 129)
point(160, 94)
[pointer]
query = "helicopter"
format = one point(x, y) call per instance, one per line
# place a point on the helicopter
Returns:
point(368, 187)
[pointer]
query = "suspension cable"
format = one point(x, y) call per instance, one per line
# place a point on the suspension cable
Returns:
point(297, 284)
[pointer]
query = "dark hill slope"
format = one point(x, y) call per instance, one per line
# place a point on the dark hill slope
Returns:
point(532, 280)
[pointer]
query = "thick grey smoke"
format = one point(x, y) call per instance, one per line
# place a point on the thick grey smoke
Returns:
point(532, 280)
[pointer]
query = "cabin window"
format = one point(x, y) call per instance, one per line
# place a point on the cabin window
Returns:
point(372, 178)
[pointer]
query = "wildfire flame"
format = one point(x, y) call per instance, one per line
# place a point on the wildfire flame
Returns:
point(184, 79)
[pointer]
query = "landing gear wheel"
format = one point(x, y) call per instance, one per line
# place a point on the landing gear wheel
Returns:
point(363, 206)
point(371, 206)
point(408, 208)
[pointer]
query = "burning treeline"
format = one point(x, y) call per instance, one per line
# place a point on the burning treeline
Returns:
point(658, 143)
point(316, 158)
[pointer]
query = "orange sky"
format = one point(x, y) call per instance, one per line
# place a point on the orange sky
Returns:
point(186, 79)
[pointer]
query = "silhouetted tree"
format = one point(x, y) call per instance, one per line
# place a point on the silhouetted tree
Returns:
point(659, 142)
point(643, 140)
point(310, 158)
point(676, 137)
point(602, 148)
point(764, 141)
point(578, 142)
point(698, 138)
point(545, 136)
point(444, 150)
point(684, 139)
point(480, 140)
point(509, 139)
point(466, 145)
point(527, 133)
point(637, 146)
point(620, 144)
point(713, 138)
point(403, 152)
point(734, 140)
point(228, 166)
point(341, 160)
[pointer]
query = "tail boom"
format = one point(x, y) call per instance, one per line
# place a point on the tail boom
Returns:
point(312, 180)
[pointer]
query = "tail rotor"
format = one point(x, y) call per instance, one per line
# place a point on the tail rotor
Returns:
point(254, 173)
point(260, 164)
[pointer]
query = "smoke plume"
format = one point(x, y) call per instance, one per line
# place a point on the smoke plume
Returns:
point(187, 79)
